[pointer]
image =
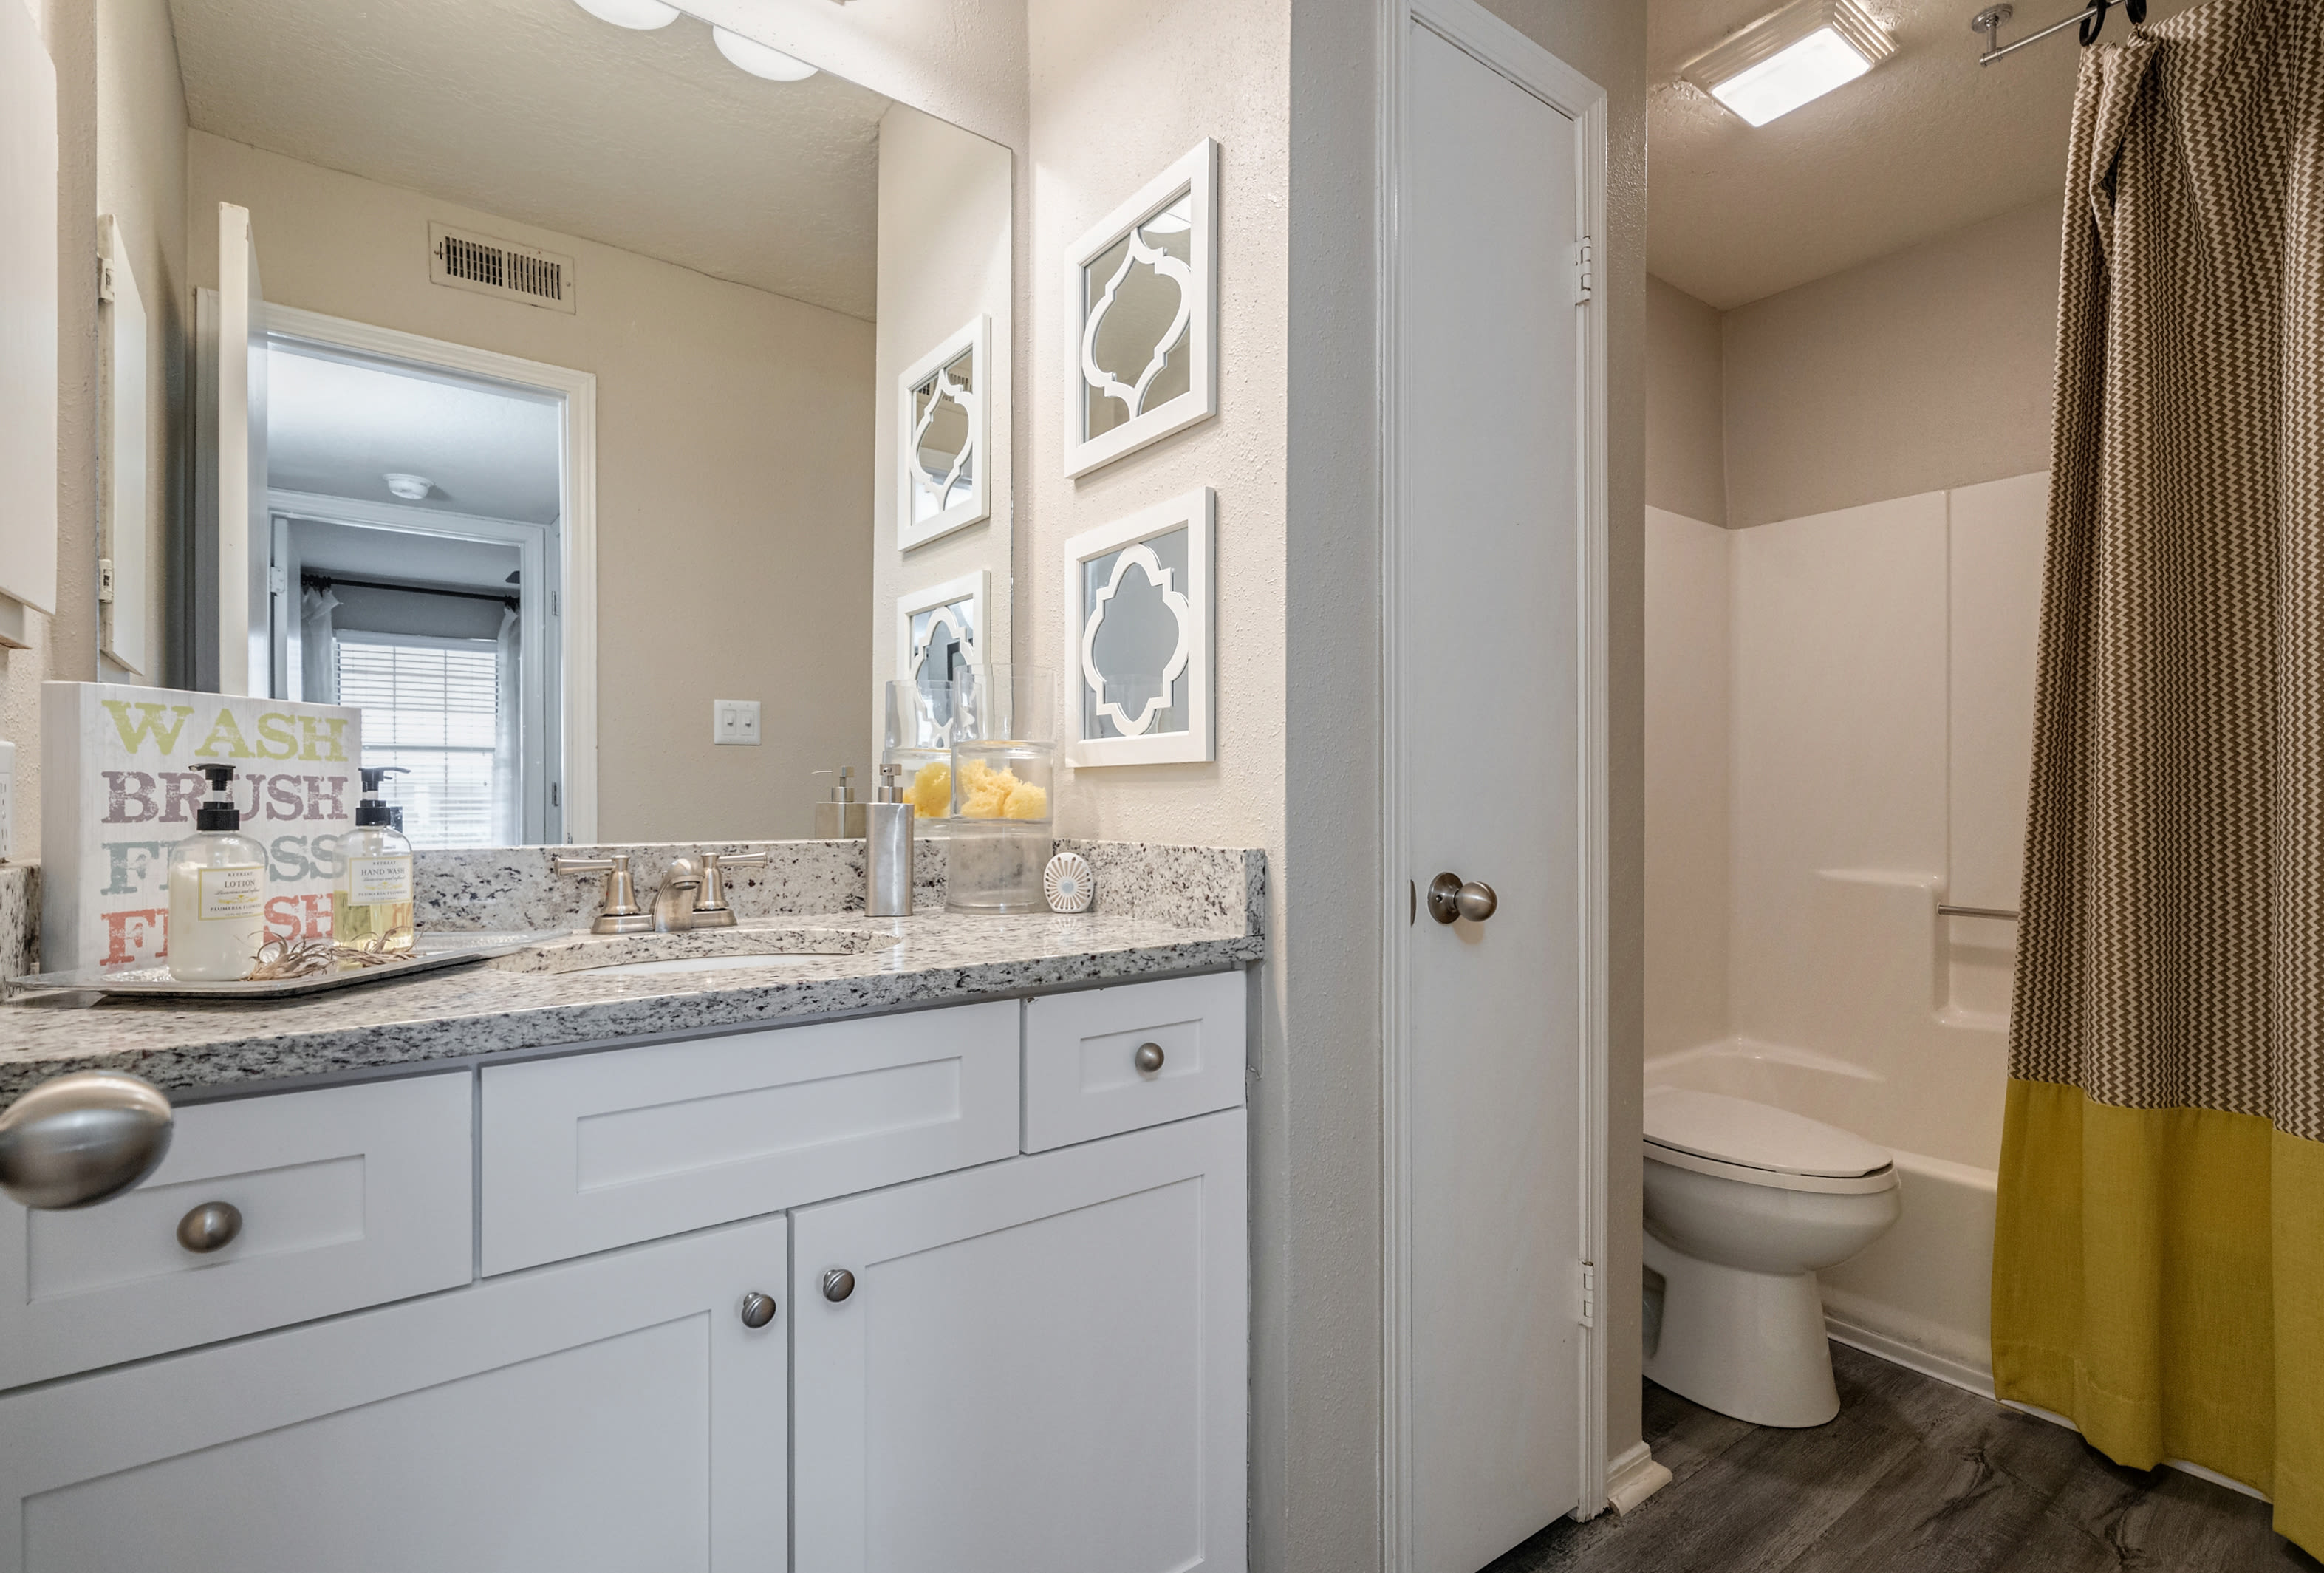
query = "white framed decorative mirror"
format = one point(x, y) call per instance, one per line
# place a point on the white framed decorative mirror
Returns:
point(938, 629)
point(1141, 316)
point(944, 432)
point(1139, 602)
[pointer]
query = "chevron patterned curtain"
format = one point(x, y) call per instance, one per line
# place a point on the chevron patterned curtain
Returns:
point(2159, 1264)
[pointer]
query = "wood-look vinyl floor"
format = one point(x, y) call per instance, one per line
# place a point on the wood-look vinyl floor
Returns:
point(1914, 1476)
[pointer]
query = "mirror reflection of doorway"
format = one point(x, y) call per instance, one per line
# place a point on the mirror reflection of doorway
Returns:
point(414, 519)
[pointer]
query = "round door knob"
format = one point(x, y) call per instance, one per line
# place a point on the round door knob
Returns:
point(211, 1226)
point(758, 1308)
point(1149, 1058)
point(1450, 898)
point(838, 1284)
point(78, 1139)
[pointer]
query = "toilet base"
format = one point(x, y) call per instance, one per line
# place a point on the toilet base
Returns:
point(1749, 1345)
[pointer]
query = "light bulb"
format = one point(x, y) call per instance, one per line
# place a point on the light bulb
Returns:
point(759, 60)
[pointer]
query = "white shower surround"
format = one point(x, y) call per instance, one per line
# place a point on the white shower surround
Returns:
point(1838, 737)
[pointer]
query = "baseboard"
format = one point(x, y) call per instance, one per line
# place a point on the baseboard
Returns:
point(1633, 1477)
point(1977, 1379)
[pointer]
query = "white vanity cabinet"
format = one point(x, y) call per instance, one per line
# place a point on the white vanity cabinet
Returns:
point(602, 1416)
point(1034, 1368)
point(571, 1315)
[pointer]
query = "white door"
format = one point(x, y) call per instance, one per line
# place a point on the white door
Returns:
point(233, 610)
point(1039, 1367)
point(607, 1416)
point(1488, 789)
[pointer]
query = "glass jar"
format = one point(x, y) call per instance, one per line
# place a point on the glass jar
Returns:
point(920, 722)
point(1004, 790)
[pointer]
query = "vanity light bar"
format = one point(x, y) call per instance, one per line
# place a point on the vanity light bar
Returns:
point(1791, 57)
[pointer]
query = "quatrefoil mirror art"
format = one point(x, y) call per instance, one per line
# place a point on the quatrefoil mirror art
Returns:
point(941, 445)
point(936, 634)
point(1138, 603)
point(1141, 329)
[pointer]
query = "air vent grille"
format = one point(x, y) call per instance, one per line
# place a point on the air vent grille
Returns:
point(498, 267)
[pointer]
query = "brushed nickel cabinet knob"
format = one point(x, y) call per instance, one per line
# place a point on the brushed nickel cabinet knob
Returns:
point(838, 1284)
point(1149, 1058)
point(211, 1226)
point(758, 1308)
point(78, 1139)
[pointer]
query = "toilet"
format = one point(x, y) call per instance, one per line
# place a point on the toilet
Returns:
point(1745, 1203)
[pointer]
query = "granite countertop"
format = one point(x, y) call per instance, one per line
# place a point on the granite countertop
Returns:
point(1158, 922)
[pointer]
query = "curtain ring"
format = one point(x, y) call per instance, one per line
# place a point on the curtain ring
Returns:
point(2094, 23)
point(2136, 11)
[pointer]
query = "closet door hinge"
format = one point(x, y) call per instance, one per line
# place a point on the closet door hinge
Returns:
point(1588, 1294)
point(556, 606)
point(104, 581)
point(1585, 279)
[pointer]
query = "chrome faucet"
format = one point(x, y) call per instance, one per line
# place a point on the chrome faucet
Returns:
point(673, 902)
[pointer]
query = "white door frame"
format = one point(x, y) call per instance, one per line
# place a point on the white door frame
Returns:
point(1469, 27)
point(577, 392)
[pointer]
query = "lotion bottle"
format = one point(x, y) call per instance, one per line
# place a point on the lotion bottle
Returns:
point(371, 905)
point(218, 891)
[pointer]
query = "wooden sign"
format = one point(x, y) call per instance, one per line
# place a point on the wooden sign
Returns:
point(119, 784)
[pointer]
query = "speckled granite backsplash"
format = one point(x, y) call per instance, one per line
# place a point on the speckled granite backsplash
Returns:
point(512, 887)
point(19, 919)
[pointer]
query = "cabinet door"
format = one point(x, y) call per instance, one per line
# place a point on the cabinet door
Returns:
point(1040, 1368)
point(611, 1414)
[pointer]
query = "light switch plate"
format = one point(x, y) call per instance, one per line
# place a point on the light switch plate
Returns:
point(734, 721)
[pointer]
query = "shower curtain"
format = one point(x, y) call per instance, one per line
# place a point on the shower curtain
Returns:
point(2159, 1264)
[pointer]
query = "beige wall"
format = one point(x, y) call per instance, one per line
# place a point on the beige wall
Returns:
point(1687, 749)
point(1686, 450)
point(944, 226)
point(734, 480)
point(1924, 370)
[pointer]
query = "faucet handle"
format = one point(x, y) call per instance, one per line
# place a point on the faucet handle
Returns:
point(622, 913)
point(712, 900)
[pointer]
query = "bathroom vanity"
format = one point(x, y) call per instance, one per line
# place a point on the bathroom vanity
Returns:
point(926, 1253)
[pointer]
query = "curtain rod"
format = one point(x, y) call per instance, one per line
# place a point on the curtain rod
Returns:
point(1989, 19)
point(324, 581)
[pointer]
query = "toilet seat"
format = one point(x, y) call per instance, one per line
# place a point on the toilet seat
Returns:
point(1756, 1143)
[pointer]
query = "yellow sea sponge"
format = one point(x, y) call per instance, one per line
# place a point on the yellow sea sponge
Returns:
point(930, 793)
point(987, 793)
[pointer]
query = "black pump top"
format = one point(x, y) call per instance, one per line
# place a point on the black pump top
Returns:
point(374, 810)
point(217, 812)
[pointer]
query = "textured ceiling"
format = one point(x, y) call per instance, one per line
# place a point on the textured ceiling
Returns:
point(1926, 143)
point(339, 429)
point(533, 108)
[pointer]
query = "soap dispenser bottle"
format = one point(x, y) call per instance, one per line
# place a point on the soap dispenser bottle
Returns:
point(371, 904)
point(888, 850)
point(839, 816)
point(218, 891)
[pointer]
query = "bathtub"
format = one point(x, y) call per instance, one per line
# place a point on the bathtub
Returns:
point(1920, 1295)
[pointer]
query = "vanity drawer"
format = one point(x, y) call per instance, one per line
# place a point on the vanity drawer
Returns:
point(349, 1196)
point(1083, 1079)
point(594, 1151)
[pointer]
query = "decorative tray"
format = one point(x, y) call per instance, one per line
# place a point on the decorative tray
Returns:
point(430, 952)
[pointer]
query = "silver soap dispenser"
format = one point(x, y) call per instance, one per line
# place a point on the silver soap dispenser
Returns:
point(888, 850)
point(839, 816)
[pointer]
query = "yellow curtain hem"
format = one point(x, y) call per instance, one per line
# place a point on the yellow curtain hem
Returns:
point(2159, 1279)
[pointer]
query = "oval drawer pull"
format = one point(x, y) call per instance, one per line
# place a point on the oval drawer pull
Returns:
point(758, 1308)
point(1149, 1058)
point(838, 1284)
point(211, 1226)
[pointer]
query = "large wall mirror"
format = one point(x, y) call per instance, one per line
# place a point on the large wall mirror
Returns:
point(564, 369)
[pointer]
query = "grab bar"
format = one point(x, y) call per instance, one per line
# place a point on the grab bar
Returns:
point(1947, 911)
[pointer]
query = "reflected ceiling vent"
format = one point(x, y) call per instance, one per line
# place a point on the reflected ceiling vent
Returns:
point(498, 267)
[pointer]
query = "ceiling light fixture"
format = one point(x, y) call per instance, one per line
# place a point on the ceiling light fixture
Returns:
point(409, 487)
point(1798, 54)
point(644, 16)
point(759, 60)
